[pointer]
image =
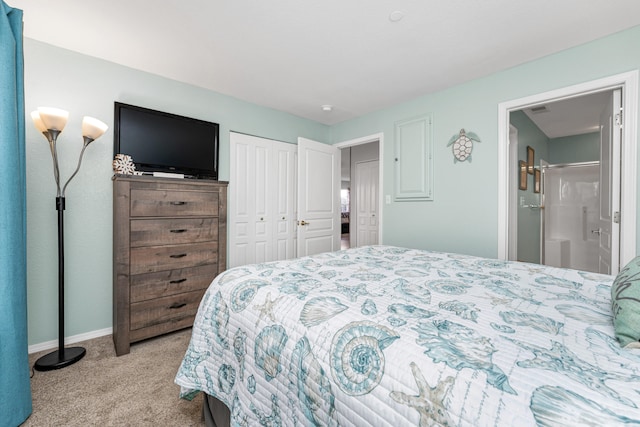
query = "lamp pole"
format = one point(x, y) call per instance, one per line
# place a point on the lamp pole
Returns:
point(51, 121)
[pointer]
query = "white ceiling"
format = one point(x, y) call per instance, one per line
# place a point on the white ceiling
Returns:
point(296, 56)
point(573, 116)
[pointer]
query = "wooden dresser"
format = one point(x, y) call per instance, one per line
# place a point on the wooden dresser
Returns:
point(169, 242)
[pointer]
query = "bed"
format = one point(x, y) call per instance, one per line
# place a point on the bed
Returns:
point(390, 336)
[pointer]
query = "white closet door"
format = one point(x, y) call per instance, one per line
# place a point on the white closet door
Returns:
point(263, 221)
point(284, 195)
point(262, 200)
point(250, 222)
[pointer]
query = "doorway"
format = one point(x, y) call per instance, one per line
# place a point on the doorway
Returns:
point(558, 204)
point(361, 190)
point(628, 84)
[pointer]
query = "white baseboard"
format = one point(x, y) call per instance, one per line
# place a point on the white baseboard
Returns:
point(49, 345)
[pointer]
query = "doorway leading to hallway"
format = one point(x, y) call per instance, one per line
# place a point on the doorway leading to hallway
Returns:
point(516, 119)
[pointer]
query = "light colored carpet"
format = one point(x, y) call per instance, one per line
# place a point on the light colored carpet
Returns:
point(136, 389)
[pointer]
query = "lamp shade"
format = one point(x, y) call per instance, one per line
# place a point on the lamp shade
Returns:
point(93, 128)
point(53, 118)
point(37, 121)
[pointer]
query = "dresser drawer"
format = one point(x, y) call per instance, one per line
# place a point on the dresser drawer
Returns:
point(165, 283)
point(145, 202)
point(151, 232)
point(174, 324)
point(162, 313)
point(149, 259)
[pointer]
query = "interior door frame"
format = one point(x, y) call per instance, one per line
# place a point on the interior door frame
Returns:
point(377, 137)
point(512, 253)
point(628, 82)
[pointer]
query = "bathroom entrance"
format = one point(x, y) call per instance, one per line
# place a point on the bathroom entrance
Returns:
point(617, 211)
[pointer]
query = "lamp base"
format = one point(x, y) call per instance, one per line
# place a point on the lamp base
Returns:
point(60, 358)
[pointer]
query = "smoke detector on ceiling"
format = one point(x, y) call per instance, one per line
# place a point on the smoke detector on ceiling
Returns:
point(396, 16)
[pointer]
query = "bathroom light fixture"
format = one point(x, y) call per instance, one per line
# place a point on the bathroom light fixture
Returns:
point(51, 122)
point(327, 107)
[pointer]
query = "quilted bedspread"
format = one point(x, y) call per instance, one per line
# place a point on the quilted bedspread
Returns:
point(388, 336)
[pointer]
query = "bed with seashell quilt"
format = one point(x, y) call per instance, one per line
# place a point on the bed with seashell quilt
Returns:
point(390, 336)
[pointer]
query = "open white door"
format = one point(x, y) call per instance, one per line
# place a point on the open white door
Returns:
point(318, 198)
point(609, 226)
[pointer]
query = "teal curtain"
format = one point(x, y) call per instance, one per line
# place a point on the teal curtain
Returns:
point(15, 386)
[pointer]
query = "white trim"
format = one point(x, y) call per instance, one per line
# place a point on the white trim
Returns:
point(49, 345)
point(629, 84)
point(513, 207)
point(365, 140)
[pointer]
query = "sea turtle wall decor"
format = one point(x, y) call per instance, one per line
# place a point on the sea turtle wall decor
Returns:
point(463, 145)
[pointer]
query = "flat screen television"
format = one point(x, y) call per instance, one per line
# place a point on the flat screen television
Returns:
point(164, 142)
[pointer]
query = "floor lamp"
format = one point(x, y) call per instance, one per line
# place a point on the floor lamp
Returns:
point(51, 121)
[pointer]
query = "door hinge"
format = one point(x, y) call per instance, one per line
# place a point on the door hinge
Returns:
point(619, 118)
point(616, 217)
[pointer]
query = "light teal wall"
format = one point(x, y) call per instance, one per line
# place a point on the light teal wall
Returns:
point(88, 86)
point(575, 149)
point(529, 135)
point(463, 215)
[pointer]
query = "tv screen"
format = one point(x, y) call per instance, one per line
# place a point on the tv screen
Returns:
point(164, 142)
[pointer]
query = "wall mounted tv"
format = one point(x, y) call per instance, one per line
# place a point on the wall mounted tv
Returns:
point(164, 142)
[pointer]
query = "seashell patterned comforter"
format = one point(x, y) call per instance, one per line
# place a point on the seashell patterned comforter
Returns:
point(388, 336)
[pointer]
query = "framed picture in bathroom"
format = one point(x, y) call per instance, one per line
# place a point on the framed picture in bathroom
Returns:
point(536, 181)
point(530, 160)
point(523, 175)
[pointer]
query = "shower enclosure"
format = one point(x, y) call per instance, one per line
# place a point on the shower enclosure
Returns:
point(570, 230)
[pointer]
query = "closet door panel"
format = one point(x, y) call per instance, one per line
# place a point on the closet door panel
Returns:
point(263, 206)
point(283, 193)
point(262, 210)
point(249, 240)
point(240, 204)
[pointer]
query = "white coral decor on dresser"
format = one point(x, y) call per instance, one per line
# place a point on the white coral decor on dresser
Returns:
point(123, 164)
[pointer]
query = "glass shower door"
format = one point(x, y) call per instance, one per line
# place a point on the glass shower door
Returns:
point(571, 200)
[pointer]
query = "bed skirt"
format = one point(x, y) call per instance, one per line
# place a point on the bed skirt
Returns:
point(215, 413)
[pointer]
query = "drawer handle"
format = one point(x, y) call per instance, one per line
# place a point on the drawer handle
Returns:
point(178, 203)
point(181, 230)
point(177, 305)
point(177, 256)
point(178, 281)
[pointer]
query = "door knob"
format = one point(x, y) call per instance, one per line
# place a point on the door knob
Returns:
point(303, 222)
point(598, 231)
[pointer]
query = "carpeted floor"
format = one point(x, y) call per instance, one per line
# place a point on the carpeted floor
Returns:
point(136, 389)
